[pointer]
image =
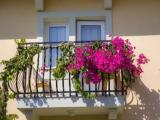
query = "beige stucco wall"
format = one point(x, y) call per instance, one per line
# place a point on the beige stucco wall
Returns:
point(87, 117)
point(136, 17)
point(76, 5)
point(137, 20)
point(17, 19)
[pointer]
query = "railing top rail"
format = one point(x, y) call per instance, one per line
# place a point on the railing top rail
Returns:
point(59, 42)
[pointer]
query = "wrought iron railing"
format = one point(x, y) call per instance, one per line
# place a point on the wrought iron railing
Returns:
point(32, 82)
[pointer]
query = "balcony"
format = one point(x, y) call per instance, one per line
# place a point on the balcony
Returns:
point(39, 89)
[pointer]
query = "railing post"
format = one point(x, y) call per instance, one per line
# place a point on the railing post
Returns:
point(122, 82)
point(50, 70)
point(44, 62)
point(36, 80)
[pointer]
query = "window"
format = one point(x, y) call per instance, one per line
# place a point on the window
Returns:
point(57, 33)
point(90, 31)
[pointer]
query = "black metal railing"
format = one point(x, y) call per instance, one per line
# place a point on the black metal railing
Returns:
point(37, 80)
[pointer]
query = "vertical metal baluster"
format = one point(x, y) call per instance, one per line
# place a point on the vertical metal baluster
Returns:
point(62, 79)
point(82, 84)
point(69, 79)
point(56, 64)
point(63, 86)
point(29, 80)
point(109, 85)
point(130, 80)
point(122, 83)
point(115, 76)
point(50, 70)
point(37, 75)
point(83, 79)
point(79, 72)
point(69, 84)
point(102, 84)
point(24, 77)
point(89, 87)
point(44, 61)
point(24, 83)
point(96, 89)
point(17, 75)
point(76, 93)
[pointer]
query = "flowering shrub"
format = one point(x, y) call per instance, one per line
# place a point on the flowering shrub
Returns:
point(107, 58)
point(42, 69)
point(93, 60)
point(20, 62)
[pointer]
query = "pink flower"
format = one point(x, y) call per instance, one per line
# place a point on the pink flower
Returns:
point(79, 57)
point(71, 67)
point(118, 43)
point(99, 58)
point(142, 59)
point(91, 76)
point(43, 68)
point(108, 58)
point(137, 71)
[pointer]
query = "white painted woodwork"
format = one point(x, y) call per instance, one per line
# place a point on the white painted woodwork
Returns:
point(39, 5)
point(107, 4)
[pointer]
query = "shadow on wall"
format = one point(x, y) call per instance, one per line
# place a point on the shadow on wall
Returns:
point(147, 107)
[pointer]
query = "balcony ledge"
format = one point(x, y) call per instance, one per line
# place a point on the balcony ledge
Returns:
point(39, 4)
point(108, 102)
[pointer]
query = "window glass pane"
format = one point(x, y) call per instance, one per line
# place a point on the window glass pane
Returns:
point(56, 34)
point(90, 32)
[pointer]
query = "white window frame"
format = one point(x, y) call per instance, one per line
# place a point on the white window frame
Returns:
point(58, 25)
point(101, 23)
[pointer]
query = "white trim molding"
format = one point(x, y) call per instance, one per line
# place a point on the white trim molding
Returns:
point(108, 4)
point(39, 5)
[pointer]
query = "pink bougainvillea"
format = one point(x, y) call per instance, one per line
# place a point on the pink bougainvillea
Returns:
point(42, 69)
point(106, 58)
point(142, 59)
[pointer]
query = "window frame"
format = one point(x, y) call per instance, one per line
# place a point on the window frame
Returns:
point(101, 23)
point(48, 34)
point(58, 25)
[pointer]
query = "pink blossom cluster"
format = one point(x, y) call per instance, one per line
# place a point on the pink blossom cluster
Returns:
point(42, 69)
point(107, 58)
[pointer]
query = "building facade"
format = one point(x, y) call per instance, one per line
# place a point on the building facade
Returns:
point(44, 20)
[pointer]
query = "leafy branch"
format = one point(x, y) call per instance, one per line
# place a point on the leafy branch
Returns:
point(22, 59)
point(67, 57)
